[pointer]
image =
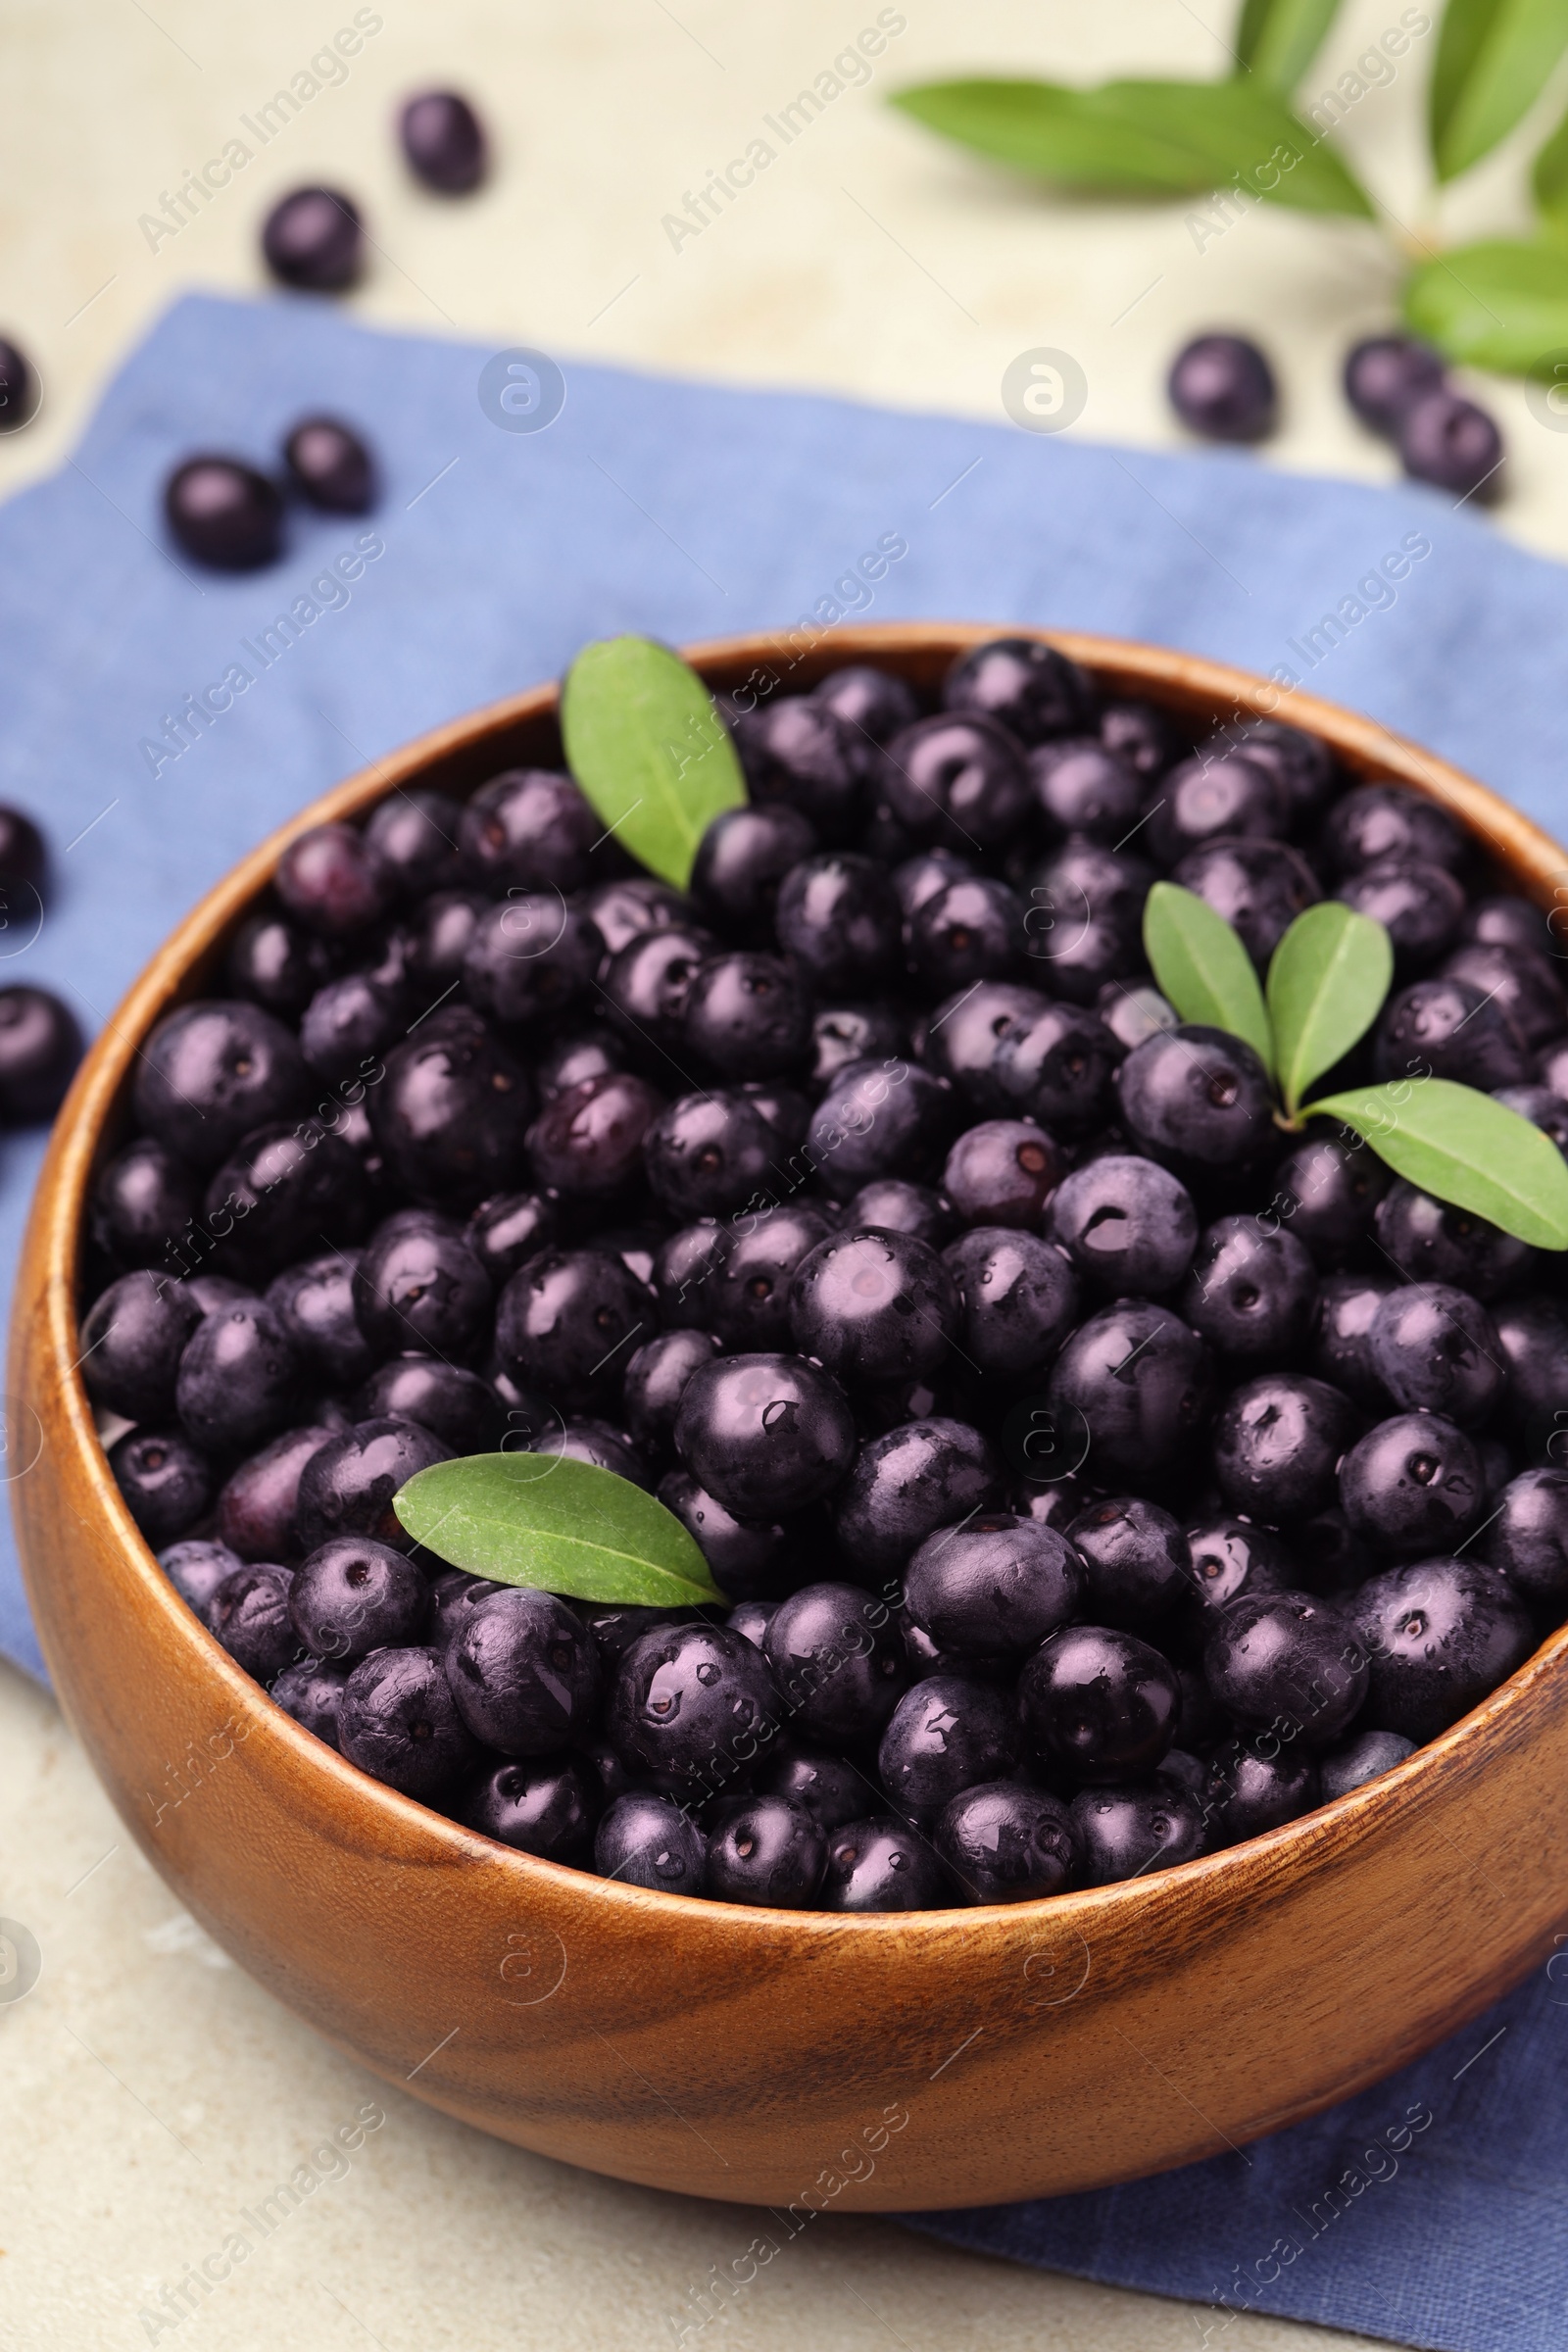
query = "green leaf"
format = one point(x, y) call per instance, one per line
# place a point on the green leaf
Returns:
point(1493, 58)
point(1203, 967)
point(1326, 981)
point(1502, 303)
point(1460, 1145)
point(1278, 39)
point(557, 1524)
point(1549, 179)
point(646, 744)
point(1144, 138)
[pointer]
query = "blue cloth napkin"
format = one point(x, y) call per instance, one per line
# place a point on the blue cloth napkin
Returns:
point(685, 510)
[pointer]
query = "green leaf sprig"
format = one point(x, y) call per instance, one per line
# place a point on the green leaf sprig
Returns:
point(556, 1525)
point(1501, 302)
point(1327, 980)
point(645, 742)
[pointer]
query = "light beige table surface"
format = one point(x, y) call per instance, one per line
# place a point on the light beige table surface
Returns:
point(149, 2091)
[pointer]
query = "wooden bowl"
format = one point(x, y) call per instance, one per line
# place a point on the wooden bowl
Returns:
point(797, 2058)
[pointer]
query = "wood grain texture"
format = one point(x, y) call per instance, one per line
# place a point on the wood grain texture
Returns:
point(829, 2063)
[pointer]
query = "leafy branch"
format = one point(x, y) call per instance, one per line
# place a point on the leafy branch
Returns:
point(1502, 303)
point(1327, 981)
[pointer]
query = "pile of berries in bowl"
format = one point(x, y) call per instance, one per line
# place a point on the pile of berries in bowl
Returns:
point(1093, 1461)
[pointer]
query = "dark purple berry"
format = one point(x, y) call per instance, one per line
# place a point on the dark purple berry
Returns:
point(765, 1433)
point(870, 1305)
point(1363, 1758)
point(748, 1559)
point(1431, 1240)
point(746, 1017)
point(133, 1338)
point(655, 1381)
point(798, 750)
point(880, 1118)
point(255, 1510)
point(900, 1207)
point(748, 1300)
point(1127, 1224)
point(993, 1587)
point(1376, 822)
point(647, 1841)
point(882, 1865)
point(40, 1046)
point(1278, 1441)
point(1017, 1300)
point(838, 916)
point(452, 1112)
point(507, 1229)
point(1222, 387)
point(346, 1486)
point(1007, 1843)
point(923, 1475)
point(330, 465)
point(398, 1723)
point(239, 1377)
point(1136, 1561)
point(1131, 1389)
point(1436, 1349)
point(958, 780)
point(1031, 689)
point(693, 1701)
point(1128, 1833)
point(1419, 903)
point(166, 1483)
point(196, 1569)
point(965, 1034)
point(741, 861)
point(19, 388)
point(1252, 1292)
point(444, 147)
point(1412, 1485)
point(947, 1735)
point(1086, 788)
point(1290, 1662)
point(354, 1595)
point(249, 1613)
point(313, 1694)
point(1448, 441)
point(524, 1673)
point(1259, 887)
point(1527, 1539)
point(1385, 375)
point(1246, 1791)
point(1440, 1635)
point(1196, 1097)
point(874, 702)
point(223, 513)
point(765, 1850)
point(1003, 1173)
point(1326, 1191)
point(313, 239)
point(1100, 1703)
point(543, 1808)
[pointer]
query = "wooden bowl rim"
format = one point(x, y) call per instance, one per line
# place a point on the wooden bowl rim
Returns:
point(57, 1217)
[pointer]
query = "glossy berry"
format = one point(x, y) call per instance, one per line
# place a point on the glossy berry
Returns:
point(1259, 887)
point(1419, 903)
point(313, 1694)
point(751, 1618)
point(1524, 983)
point(567, 1320)
point(1302, 764)
point(354, 1595)
point(444, 147)
point(1375, 822)
point(524, 1673)
point(1128, 1225)
point(398, 1723)
point(414, 833)
point(1251, 1291)
point(880, 1118)
point(748, 1559)
point(1197, 1099)
point(1436, 1349)
point(276, 962)
point(132, 1341)
point(1360, 1759)
point(708, 1153)
point(1325, 1192)
point(1084, 787)
point(196, 1569)
point(655, 1382)
point(1287, 1660)
point(531, 827)
point(746, 1303)
point(347, 1025)
point(166, 1481)
point(1136, 1561)
point(1227, 794)
point(947, 1735)
point(916, 1209)
point(313, 240)
point(1017, 1300)
point(1248, 1790)
point(531, 959)
point(1135, 1382)
point(647, 1841)
point(1139, 733)
point(1385, 375)
point(313, 1300)
point(870, 1305)
point(1003, 1173)
point(258, 1503)
point(1100, 1703)
point(333, 880)
point(965, 1032)
point(1232, 1560)
point(994, 1587)
point(1431, 1240)
point(1053, 1065)
point(1412, 1485)
point(507, 1229)
point(905, 1485)
point(330, 465)
point(1023, 684)
point(451, 1110)
point(746, 1017)
point(141, 1203)
point(765, 1433)
point(346, 1486)
point(418, 1285)
point(1222, 387)
point(874, 702)
point(971, 930)
point(1448, 441)
point(249, 1613)
point(1007, 1843)
point(287, 1187)
point(765, 1850)
point(223, 513)
point(691, 1701)
point(832, 1790)
point(238, 1377)
point(1128, 1833)
point(1278, 1441)
point(958, 780)
point(741, 861)
point(1527, 1539)
point(547, 1808)
point(837, 917)
point(1439, 1635)
point(798, 751)
point(879, 1864)
point(210, 1073)
point(587, 1142)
